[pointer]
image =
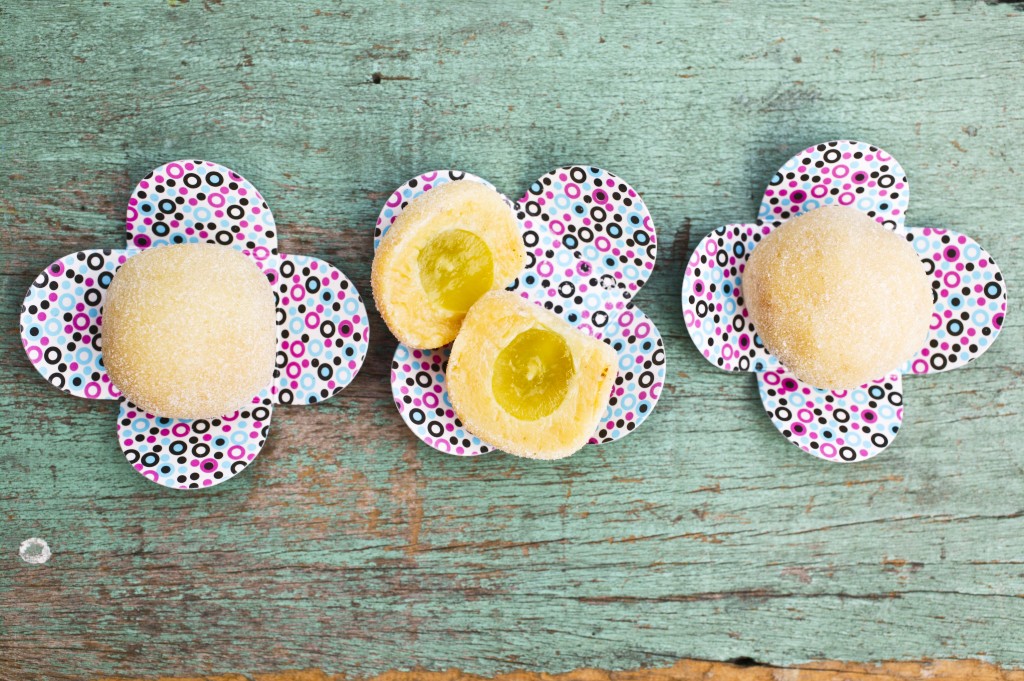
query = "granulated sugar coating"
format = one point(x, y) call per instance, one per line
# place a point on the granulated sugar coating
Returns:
point(189, 330)
point(838, 298)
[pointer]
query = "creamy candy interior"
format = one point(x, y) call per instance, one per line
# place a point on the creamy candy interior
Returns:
point(447, 248)
point(532, 374)
point(456, 268)
point(524, 380)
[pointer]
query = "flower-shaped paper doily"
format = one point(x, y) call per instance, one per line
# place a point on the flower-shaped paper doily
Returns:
point(841, 425)
point(322, 326)
point(590, 246)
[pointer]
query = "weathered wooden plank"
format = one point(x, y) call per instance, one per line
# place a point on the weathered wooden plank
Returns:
point(687, 670)
point(349, 547)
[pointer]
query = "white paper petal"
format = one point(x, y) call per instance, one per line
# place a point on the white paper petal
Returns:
point(970, 300)
point(323, 330)
point(61, 322)
point(841, 172)
point(713, 305)
point(835, 425)
point(194, 453)
point(199, 201)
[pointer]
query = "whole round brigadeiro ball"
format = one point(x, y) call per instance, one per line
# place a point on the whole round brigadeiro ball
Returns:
point(188, 331)
point(838, 298)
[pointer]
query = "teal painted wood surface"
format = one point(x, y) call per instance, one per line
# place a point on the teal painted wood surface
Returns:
point(351, 547)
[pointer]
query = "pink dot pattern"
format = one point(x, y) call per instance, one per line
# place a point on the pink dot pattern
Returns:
point(323, 330)
point(713, 308)
point(195, 453)
point(199, 201)
point(61, 318)
point(841, 173)
point(835, 425)
point(970, 300)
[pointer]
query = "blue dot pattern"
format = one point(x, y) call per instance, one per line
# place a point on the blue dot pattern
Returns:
point(970, 300)
point(199, 201)
point(190, 454)
point(713, 307)
point(835, 425)
point(844, 173)
point(323, 333)
point(61, 322)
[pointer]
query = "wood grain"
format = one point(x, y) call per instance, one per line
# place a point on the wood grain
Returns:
point(684, 670)
point(351, 548)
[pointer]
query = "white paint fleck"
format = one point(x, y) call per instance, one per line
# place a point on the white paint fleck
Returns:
point(34, 551)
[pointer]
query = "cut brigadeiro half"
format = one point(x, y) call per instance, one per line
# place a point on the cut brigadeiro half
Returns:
point(526, 381)
point(448, 247)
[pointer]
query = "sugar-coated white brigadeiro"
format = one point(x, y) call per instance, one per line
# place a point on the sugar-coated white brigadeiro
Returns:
point(189, 331)
point(837, 297)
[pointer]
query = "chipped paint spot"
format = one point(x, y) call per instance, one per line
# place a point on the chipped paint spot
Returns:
point(34, 551)
point(799, 573)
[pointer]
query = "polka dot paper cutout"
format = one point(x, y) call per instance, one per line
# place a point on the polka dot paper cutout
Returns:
point(418, 387)
point(713, 308)
point(969, 293)
point(571, 270)
point(323, 330)
point(60, 322)
point(193, 201)
point(842, 173)
point(970, 300)
point(321, 321)
point(194, 453)
point(838, 425)
point(597, 217)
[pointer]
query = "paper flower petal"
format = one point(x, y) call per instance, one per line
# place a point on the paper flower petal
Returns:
point(323, 329)
point(598, 218)
point(713, 306)
point(188, 454)
point(555, 279)
point(196, 201)
point(840, 172)
point(420, 184)
point(970, 300)
point(418, 385)
point(836, 425)
point(641, 373)
point(60, 322)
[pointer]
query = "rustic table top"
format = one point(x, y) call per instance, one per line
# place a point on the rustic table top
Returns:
point(349, 546)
